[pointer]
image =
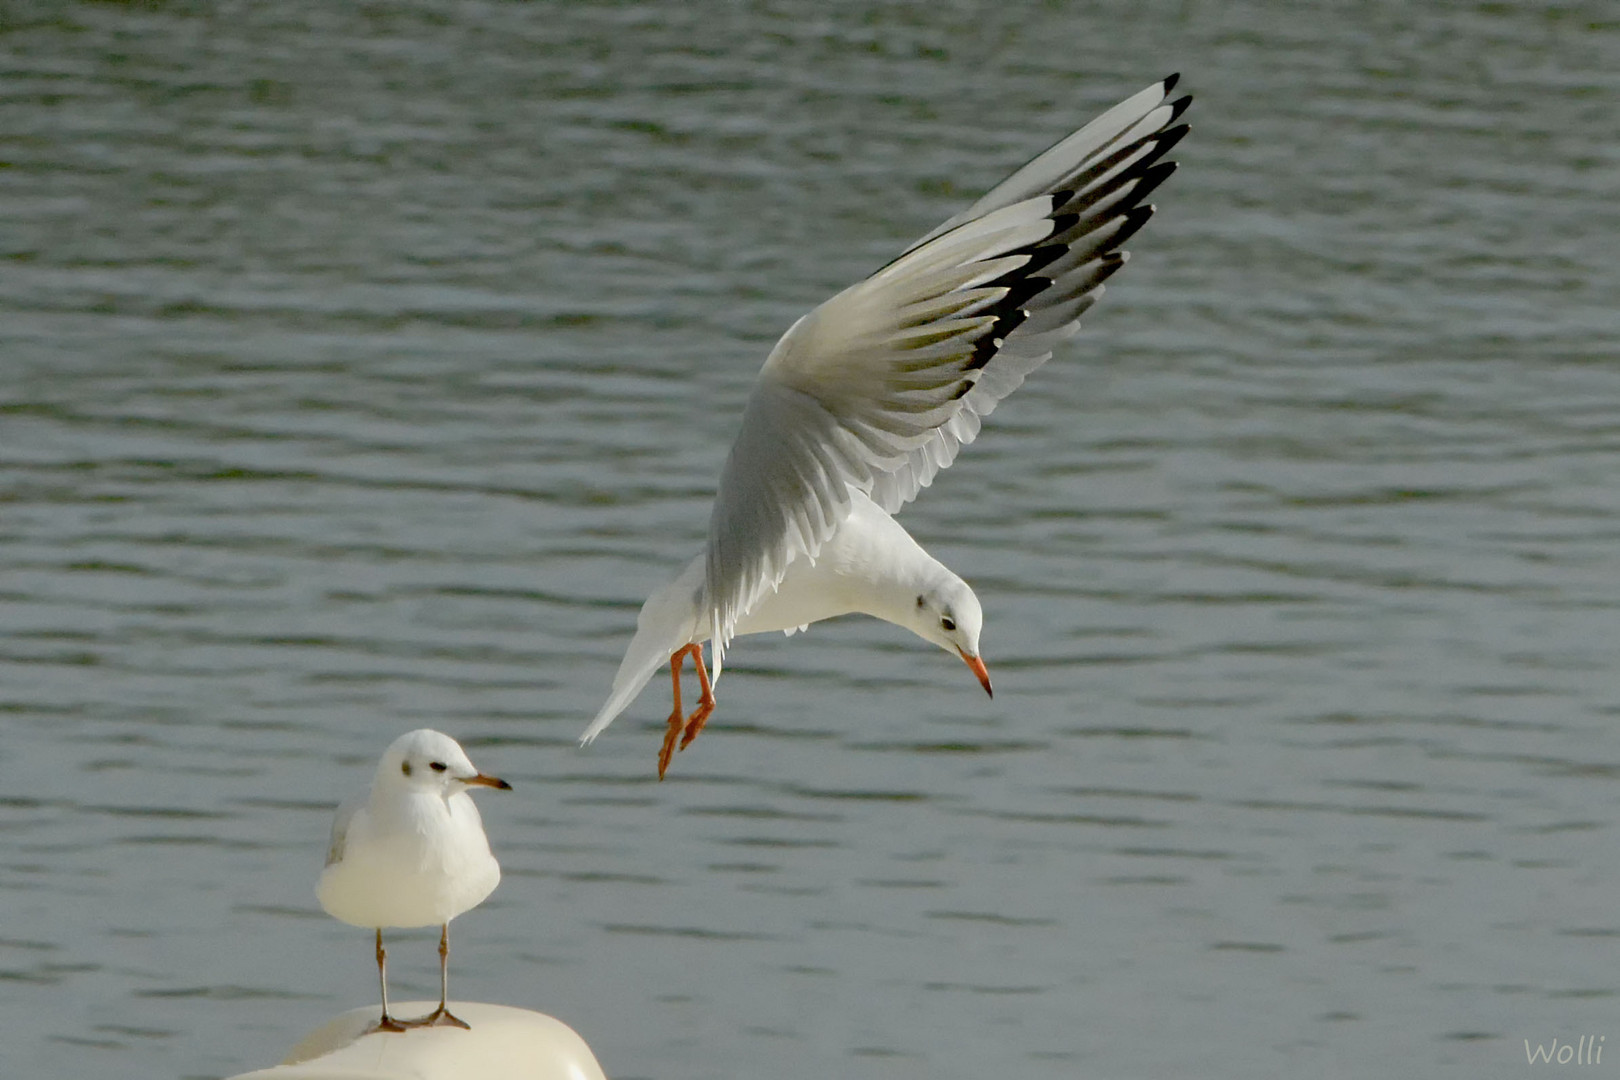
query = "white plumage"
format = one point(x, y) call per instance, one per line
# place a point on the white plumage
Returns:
point(867, 397)
point(413, 852)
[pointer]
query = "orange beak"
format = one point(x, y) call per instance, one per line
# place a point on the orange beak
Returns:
point(488, 781)
point(977, 665)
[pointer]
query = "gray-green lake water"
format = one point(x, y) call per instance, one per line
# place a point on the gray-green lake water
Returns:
point(363, 366)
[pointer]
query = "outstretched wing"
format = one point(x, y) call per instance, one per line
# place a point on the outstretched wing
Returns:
point(877, 389)
point(1110, 166)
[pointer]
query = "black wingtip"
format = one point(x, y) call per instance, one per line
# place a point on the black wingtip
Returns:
point(1150, 179)
point(1135, 218)
point(1170, 81)
point(1169, 138)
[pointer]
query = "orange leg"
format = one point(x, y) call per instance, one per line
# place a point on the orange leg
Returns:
point(679, 722)
point(700, 715)
point(442, 1016)
point(677, 719)
point(387, 1023)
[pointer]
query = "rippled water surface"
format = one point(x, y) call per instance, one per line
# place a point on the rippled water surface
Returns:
point(363, 366)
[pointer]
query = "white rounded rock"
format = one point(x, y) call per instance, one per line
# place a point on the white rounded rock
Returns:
point(503, 1044)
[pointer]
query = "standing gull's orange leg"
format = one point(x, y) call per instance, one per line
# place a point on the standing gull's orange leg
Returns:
point(442, 1016)
point(387, 1023)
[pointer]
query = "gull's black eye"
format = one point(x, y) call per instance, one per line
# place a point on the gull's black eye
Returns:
point(405, 767)
point(947, 623)
point(438, 766)
point(921, 602)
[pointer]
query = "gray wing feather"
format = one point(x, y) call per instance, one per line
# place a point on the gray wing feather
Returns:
point(1050, 170)
point(1098, 177)
point(340, 830)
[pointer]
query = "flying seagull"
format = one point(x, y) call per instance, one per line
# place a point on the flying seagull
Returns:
point(867, 397)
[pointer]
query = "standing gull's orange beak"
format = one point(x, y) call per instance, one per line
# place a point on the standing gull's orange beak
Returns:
point(488, 781)
point(977, 665)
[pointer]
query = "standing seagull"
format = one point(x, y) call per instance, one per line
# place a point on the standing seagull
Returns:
point(868, 396)
point(413, 853)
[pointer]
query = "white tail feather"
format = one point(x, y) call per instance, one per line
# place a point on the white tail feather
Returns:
point(668, 620)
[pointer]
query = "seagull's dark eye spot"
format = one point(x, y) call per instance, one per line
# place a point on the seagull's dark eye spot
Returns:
point(947, 623)
point(405, 767)
point(438, 766)
point(921, 602)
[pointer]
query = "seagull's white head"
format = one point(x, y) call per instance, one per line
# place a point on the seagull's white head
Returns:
point(947, 613)
point(430, 762)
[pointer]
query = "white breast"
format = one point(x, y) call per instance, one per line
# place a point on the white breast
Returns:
point(430, 865)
